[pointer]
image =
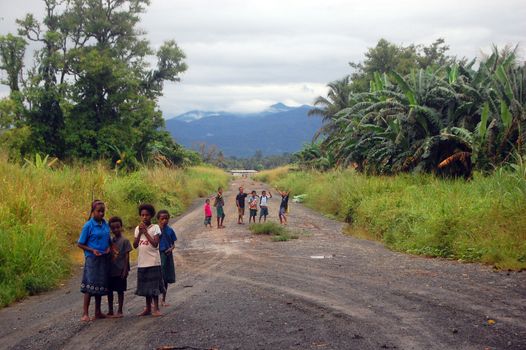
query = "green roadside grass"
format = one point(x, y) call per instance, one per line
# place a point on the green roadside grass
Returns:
point(42, 212)
point(481, 220)
point(278, 232)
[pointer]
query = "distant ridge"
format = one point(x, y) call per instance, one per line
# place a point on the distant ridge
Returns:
point(276, 130)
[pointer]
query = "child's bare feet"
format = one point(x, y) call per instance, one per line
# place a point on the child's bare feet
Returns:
point(117, 315)
point(110, 314)
point(164, 304)
point(99, 316)
point(156, 313)
point(85, 318)
point(145, 312)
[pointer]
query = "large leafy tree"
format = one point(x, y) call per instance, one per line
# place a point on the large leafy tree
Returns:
point(93, 90)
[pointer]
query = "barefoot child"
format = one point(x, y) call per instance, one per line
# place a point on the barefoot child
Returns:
point(149, 276)
point(95, 241)
point(219, 203)
point(208, 213)
point(120, 265)
point(166, 247)
point(240, 203)
point(283, 207)
point(263, 205)
point(253, 206)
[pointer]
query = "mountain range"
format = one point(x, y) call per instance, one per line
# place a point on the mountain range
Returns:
point(276, 130)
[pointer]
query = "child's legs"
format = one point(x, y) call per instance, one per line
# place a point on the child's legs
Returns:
point(149, 303)
point(110, 303)
point(165, 291)
point(155, 302)
point(98, 312)
point(85, 309)
point(121, 301)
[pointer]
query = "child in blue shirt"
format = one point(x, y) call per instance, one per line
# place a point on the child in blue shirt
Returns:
point(95, 241)
point(166, 247)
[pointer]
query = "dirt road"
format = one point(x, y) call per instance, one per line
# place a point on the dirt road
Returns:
point(322, 291)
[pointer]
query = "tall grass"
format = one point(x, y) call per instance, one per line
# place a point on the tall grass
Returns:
point(42, 212)
point(481, 220)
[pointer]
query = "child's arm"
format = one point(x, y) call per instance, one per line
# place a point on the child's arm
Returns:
point(89, 249)
point(269, 194)
point(137, 237)
point(154, 241)
point(124, 274)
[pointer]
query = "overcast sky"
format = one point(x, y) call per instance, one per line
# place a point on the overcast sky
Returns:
point(244, 55)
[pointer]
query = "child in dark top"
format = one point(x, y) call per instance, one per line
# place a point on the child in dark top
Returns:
point(166, 247)
point(120, 265)
point(208, 213)
point(219, 203)
point(95, 241)
point(240, 203)
point(283, 207)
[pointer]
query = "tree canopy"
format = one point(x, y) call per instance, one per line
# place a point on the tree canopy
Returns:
point(92, 91)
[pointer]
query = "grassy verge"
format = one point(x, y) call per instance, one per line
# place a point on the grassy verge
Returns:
point(42, 212)
point(278, 232)
point(481, 220)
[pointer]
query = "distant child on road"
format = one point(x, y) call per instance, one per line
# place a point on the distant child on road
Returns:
point(95, 241)
point(240, 203)
point(208, 213)
point(149, 274)
point(219, 203)
point(120, 265)
point(263, 205)
point(166, 247)
point(283, 207)
point(253, 206)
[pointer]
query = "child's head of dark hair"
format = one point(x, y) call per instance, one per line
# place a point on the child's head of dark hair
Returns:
point(219, 189)
point(97, 209)
point(253, 192)
point(263, 192)
point(95, 204)
point(147, 207)
point(114, 219)
point(207, 200)
point(115, 224)
point(162, 212)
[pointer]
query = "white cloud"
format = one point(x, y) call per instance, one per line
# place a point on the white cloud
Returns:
point(246, 54)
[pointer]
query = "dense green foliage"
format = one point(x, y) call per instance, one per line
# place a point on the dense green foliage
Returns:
point(480, 220)
point(423, 111)
point(42, 212)
point(91, 92)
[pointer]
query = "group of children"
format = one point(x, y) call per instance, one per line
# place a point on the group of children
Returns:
point(107, 260)
point(253, 201)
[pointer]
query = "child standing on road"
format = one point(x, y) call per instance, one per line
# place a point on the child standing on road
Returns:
point(284, 207)
point(219, 203)
point(263, 205)
point(240, 203)
point(166, 247)
point(208, 213)
point(149, 275)
point(253, 206)
point(95, 241)
point(120, 265)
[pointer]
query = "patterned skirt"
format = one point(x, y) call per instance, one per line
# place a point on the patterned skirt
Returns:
point(95, 275)
point(168, 267)
point(149, 281)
